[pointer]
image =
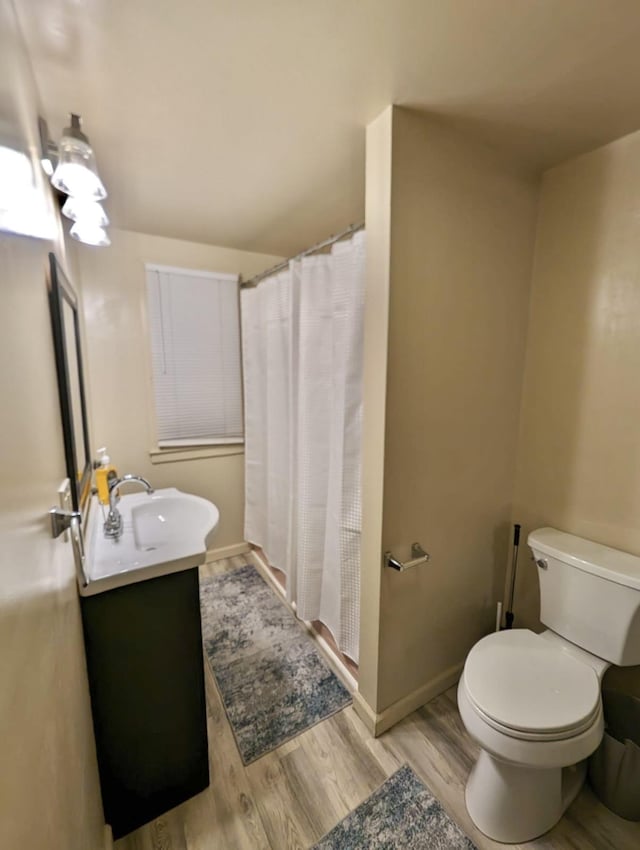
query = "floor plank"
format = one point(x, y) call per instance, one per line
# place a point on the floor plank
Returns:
point(435, 743)
point(290, 797)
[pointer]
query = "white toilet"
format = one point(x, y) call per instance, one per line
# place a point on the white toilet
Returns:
point(532, 702)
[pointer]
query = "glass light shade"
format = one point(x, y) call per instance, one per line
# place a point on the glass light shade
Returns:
point(23, 203)
point(47, 166)
point(88, 212)
point(90, 234)
point(76, 173)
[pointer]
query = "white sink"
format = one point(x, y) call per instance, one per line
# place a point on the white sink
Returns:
point(160, 519)
point(162, 533)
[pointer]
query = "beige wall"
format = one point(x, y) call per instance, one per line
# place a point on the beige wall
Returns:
point(119, 366)
point(376, 321)
point(579, 448)
point(461, 241)
point(49, 789)
point(49, 792)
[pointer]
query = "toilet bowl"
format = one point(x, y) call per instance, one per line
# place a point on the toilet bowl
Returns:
point(534, 708)
point(532, 701)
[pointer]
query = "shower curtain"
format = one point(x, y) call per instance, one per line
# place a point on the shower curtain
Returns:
point(302, 360)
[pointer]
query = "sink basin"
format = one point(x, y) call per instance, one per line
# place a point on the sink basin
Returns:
point(168, 515)
point(162, 533)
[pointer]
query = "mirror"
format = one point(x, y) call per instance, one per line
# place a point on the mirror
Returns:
point(73, 406)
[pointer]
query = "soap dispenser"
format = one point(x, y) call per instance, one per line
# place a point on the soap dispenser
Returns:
point(105, 474)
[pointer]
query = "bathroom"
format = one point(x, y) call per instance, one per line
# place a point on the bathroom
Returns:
point(500, 358)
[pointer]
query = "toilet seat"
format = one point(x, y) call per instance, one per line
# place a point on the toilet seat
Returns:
point(528, 688)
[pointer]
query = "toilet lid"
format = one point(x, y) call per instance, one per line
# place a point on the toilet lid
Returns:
point(525, 683)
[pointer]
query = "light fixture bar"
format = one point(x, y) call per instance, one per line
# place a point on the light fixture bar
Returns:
point(48, 149)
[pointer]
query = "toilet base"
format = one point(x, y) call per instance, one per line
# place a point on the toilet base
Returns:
point(512, 803)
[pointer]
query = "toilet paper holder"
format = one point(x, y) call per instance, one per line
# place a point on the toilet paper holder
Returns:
point(418, 556)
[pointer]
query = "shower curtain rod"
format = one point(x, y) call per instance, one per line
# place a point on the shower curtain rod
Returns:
point(353, 228)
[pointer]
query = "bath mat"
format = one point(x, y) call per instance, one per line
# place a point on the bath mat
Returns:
point(401, 815)
point(273, 680)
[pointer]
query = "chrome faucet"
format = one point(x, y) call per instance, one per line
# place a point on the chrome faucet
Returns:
point(113, 523)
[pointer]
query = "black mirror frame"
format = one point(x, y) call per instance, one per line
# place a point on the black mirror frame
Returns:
point(60, 290)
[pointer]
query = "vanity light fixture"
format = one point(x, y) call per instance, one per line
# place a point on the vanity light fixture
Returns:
point(76, 172)
point(71, 167)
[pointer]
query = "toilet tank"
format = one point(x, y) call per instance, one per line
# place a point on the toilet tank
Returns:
point(589, 594)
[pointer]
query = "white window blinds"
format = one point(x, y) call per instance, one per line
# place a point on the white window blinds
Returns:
point(195, 349)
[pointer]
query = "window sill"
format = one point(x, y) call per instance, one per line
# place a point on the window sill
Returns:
point(173, 455)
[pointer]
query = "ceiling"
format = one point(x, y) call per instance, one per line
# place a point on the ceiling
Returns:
point(242, 122)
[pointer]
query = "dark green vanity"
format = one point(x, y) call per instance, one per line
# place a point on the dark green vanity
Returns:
point(146, 677)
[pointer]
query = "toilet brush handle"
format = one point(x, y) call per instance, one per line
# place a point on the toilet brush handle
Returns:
point(508, 617)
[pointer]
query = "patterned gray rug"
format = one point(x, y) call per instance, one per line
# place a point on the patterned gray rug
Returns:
point(401, 815)
point(273, 680)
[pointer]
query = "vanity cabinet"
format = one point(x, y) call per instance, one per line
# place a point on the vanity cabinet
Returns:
point(146, 677)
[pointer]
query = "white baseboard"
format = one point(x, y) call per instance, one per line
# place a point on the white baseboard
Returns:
point(263, 568)
point(108, 837)
point(365, 712)
point(377, 723)
point(338, 667)
point(227, 551)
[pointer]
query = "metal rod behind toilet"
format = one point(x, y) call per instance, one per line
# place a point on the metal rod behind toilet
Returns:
point(508, 617)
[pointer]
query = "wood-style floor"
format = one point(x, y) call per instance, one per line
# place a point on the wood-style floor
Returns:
point(291, 797)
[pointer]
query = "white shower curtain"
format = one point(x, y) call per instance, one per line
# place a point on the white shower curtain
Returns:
point(302, 360)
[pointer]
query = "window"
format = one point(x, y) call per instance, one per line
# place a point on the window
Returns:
point(194, 327)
